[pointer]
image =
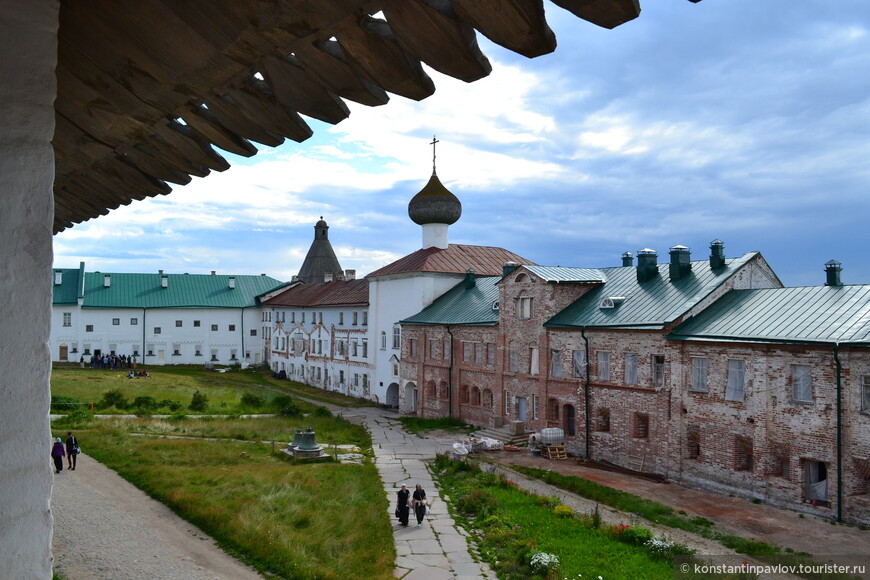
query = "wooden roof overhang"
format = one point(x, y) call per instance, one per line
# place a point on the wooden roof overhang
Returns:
point(148, 88)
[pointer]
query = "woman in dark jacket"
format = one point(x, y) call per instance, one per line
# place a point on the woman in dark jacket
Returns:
point(403, 508)
point(419, 504)
point(57, 453)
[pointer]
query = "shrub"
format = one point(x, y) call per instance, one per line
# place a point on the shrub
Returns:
point(477, 502)
point(198, 402)
point(322, 412)
point(172, 405)
point(563, 511)
point(253, 400)
point(664, 548)
point(74, 418)
point(64, 404)
point(544, 562)
point(145, 403)
point(281, 401)
point(114, 398)
point(635, 536)
point(290, 409)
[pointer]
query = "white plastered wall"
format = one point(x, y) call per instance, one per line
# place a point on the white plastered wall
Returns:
point(28, 56)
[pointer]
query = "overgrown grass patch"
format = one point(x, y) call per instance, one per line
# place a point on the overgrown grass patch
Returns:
point(418, 425)
point(318, 521)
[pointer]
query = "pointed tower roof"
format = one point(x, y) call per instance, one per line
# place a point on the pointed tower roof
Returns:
point(320, 259)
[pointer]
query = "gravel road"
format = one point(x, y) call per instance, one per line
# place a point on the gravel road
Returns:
point(106, 529)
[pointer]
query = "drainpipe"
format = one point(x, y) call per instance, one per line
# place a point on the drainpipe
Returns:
point(242, 354)
point(450, 377)
point(142, 354)
point(839, 434)
point(586, 390)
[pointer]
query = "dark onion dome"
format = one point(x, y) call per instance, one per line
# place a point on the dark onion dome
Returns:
point(434, 204)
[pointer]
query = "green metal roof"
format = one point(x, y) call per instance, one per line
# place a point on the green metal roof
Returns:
point(182, 291)
point(651, 304)
point(560, 274)
point(461, 305)
point(70, 288)
point(818, 314)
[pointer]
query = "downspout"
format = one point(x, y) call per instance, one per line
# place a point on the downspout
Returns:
point(586, 391)
point(242, 354)
point(142, 356)
point(450, 376)
point(839, 434)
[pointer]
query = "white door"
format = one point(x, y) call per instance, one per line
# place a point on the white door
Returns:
point(522, 406)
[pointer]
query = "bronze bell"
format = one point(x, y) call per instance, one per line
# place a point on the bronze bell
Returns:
point(297, 438)
point(308, 442)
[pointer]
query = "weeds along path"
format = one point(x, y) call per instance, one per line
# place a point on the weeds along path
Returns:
point(105, 528)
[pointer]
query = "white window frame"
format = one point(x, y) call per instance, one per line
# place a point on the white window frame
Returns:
point(397, 337)
point(700, 366)
point(631, 368)
point(524, 307)
point(802, 383)
point(603, 365)
point(735, 389)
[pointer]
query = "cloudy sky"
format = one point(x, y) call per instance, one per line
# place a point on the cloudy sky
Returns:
point(742, 120)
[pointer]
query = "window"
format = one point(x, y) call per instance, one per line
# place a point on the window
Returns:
point(354, 348)
point(397, 336)
point(214, 327)
point(365, 383)
point(341, 377)
point(533, 360)
point(487, 399)
point(292, 317)
point(490, 353)
point(365, 348)
point(303, 317)
point(178, 324)
point(478, 352)
point(214, 355)
point(157, 330)
point(176, 350)
point(341, 318)
point(658, 371)
point(447, 347)
point(464, 394)
point(865, 395)
point(116, 322)
point(395, 370)
point(319, 318)
point(630, 369)
point(535, 407)
point(383, 339)
point(524, 307)
point(67, 318)
point(699, 375)
point(507, 403)
point(197, 323)
point(198, 350)
point(602, 420)
point(743, 460)
point(603, 366)
point(577, 358)
point(134, 322)
point(232, 328)
point(693, 442)
point(556, 364)
point(552, 410)
point(253, 332)
point(355, 379)
point(641, 426)
point(514, 359)
point(355, 315)
point(802, 383)
point(467, 350)
point(365, 320)
point(475, 396)
point(89, 327)
point(412, 347)
point(736, 380)
point(433, 348)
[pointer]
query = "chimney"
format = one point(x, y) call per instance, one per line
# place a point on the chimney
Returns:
point(717, 254)
point(508, 267)
point(833, 269)
point(232, 282)
point(327, 276)
point(160, 271)
point(647, 264)
point(213, 272)
point(58, 278)
point(107, 280)
point(681, 262)
point(470, 281)
point(164, 280)
point(350, 274)
point(627, 259)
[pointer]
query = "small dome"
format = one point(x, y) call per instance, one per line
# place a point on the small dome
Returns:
point(434, 204)
point(321, 223)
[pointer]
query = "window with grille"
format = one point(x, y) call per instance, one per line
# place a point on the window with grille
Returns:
point(658, 363)
point(630, 369)
point(604, 366)
point(802, 383)
point(699, 375)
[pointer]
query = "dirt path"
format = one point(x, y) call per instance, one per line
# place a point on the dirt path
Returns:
point(105, 528)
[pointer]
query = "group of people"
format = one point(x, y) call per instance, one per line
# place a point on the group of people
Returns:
point(111, 361)
point(408, 502)
point(70, 451)
point(143, 374)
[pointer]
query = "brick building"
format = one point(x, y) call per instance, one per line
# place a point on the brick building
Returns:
point(665, 368)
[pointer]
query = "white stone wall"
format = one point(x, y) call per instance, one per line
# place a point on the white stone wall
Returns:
point(28, 45)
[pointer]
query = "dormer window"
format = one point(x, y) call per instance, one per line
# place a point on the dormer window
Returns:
point(521, 277)
point(611, 302)
point(495, 305)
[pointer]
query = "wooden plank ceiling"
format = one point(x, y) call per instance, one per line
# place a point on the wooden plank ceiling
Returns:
point(148, 88)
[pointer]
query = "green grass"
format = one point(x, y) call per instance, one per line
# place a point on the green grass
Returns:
point(514, 524)
point(417, 425)
point(179, 383)
point(314, 521)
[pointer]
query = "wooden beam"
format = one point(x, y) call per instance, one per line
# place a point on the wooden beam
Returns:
point(432, 32)
point(371, 47)
point(225, 112)
point(326, 62)
point(145, 161)
point(208, 127)
point(297, 90)
point(261, 107)
point(604, 13)
point(518, 25)
point(189, 144)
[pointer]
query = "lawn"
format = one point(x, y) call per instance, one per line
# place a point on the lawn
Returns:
point(308, 521)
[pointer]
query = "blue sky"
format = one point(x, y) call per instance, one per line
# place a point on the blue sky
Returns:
point(744, 121)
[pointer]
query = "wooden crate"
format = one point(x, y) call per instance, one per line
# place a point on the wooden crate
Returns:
point(555, 452)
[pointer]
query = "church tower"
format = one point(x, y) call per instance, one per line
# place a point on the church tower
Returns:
point(434, 208)
point(320, 263)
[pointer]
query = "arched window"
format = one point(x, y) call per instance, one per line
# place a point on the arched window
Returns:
point(430, 390)
point(442, 391)
point(522, 277)
point(475, 396)
point(487, 399)
point(463, 394)
point(570, 427)
point(383, 340)
point(552, 410)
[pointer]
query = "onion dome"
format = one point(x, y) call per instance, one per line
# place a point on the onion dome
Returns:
point(434, 204)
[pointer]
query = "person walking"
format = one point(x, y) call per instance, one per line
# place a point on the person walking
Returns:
point(57, 454)
point(419, 504)
point(72, 450)
point(403, 509)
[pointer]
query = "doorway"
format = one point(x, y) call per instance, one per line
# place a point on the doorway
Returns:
point(816, 482)
point(522, 408)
